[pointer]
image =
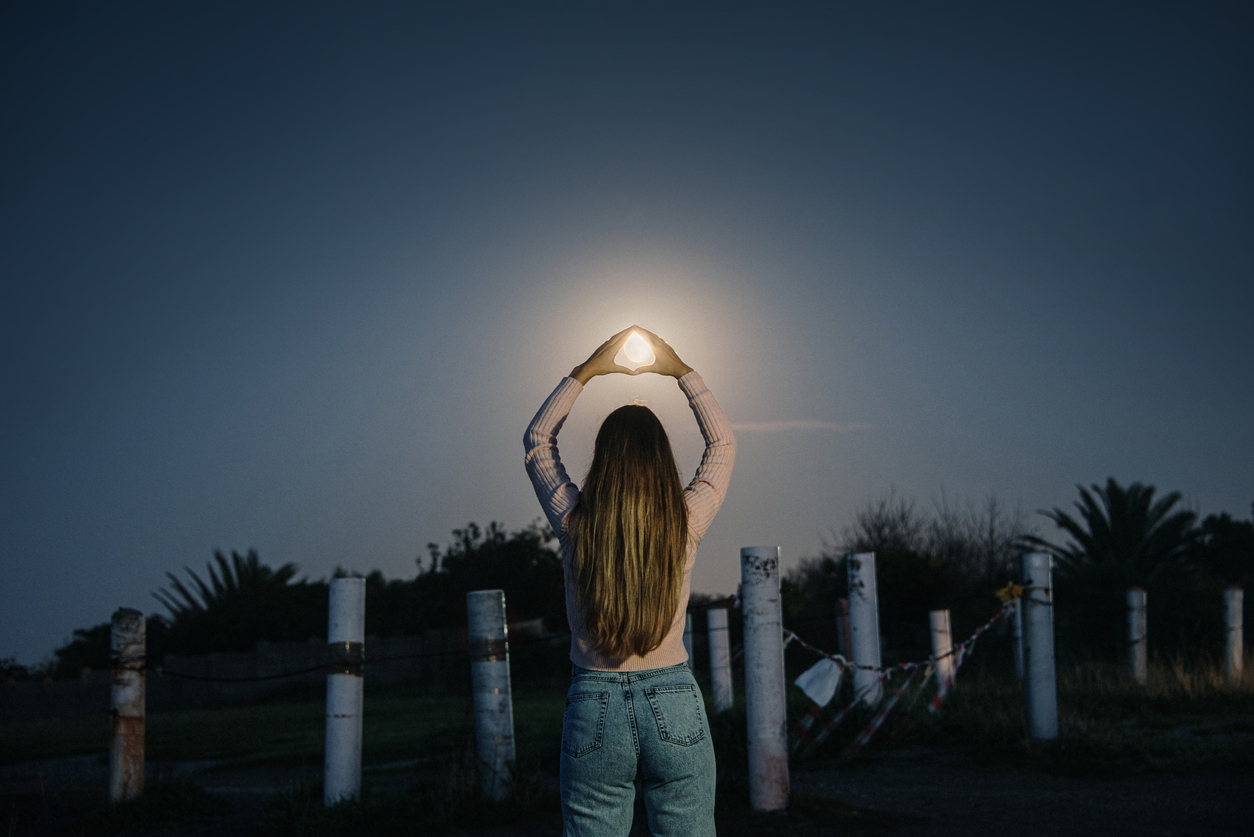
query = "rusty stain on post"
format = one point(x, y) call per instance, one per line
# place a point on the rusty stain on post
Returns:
point(126, 740)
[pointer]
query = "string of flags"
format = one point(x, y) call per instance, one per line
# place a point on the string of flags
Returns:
point(821, 682)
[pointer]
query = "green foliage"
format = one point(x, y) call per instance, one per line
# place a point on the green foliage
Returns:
point(244, 601)
point(952, 558)
point(1225, 548)
point(240, 600)
point(89, 648)
point(11, 671)
point(1125, 537)
point(241, 576)
point(1124, 531)
point(524, 564)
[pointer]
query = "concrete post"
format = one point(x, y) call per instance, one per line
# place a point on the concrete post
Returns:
point(1234, 622)
point(346, 633)
point(1038, 646)
point(720, 658)
point(764, 679)
point(1136, 635)
point(127, 646)
point(864, 625)
point(692, 663)
point(842, 628)
point(1016, 635)
point(494, 705)
point(942, 644)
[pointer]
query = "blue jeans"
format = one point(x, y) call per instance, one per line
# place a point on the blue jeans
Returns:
point(618, 723)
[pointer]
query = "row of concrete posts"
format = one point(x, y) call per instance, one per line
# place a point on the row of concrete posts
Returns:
point(765, 703)
point(1234, 626)
point(765, 700)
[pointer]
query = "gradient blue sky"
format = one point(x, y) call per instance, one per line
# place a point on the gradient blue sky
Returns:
point(296, 278)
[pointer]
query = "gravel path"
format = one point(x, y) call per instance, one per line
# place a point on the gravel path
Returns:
point(924, 793)
point(952, 796)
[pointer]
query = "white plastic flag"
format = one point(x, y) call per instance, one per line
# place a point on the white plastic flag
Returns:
point(820, 680)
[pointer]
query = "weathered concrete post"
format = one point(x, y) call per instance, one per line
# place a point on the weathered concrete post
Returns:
point(1016, 635)
point(346, 633)
point(1038, 646)
point(842, 628)
point(127, 645)
point(692, 663)
point(720, 658)
point(1137, 665)
point(494, 705)
point(1234, 621)
point(942, 645)
point(864, 625)
point(765, 707)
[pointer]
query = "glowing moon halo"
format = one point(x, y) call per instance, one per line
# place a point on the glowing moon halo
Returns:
point(636, 352)
point(637, 348)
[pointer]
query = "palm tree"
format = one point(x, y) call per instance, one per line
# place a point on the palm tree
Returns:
point(1121, 532)
point(243, 576)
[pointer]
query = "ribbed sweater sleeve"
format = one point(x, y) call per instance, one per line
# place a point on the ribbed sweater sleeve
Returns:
point(558, 494)
point(554, 489)
point(704, 495)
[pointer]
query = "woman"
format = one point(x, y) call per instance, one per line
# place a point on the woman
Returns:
point(628, 542)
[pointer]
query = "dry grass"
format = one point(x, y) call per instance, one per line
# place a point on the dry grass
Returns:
point(1184, 717)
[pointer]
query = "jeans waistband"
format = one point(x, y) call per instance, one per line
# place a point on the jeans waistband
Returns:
point(623, 676)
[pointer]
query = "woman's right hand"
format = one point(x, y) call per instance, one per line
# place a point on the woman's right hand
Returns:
point(601, 362)
point(666, 361)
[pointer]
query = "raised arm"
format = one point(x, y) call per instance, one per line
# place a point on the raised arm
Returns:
point(554, 489)
point(704, 495)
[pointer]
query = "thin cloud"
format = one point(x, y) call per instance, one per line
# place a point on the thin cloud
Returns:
point(799, 424)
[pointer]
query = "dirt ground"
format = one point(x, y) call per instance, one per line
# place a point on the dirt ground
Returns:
point(924, 793)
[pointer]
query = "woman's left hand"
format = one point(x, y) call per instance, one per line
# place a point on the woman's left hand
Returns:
point(601, 362)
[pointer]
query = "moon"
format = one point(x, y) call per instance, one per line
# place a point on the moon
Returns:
point(637, 349)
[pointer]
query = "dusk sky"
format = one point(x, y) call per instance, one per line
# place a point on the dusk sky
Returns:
point(295, 278)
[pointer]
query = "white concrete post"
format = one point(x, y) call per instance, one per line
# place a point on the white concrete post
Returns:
point(494, 705)
point(1136, 635)
point(346, 634)
point(764, 679)
point(1016, 635)
point(942, 644)
point(864, 625)
point(692, 663)
point(720, 658)
point(127, 641)
point(842, 627)
point(1234, 621)
point(1038, 646)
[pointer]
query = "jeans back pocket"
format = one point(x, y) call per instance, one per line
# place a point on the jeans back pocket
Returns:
point(583, 724)
point(679, 712)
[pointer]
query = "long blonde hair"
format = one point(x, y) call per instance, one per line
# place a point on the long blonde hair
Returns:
point(630, 536)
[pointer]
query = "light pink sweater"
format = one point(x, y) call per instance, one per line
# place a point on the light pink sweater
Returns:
point(558, 496)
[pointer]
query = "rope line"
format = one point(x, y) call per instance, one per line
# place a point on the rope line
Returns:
point(804, 745)
point(164, 672)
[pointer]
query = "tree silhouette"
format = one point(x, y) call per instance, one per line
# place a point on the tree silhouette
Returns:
point(1124, 537)
point(241, 602)
point(1123, 531)
point(243, 576)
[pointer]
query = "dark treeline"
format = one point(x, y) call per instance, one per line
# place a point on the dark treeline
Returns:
point(239, 601)
point(943, 557)
point(957, 558)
